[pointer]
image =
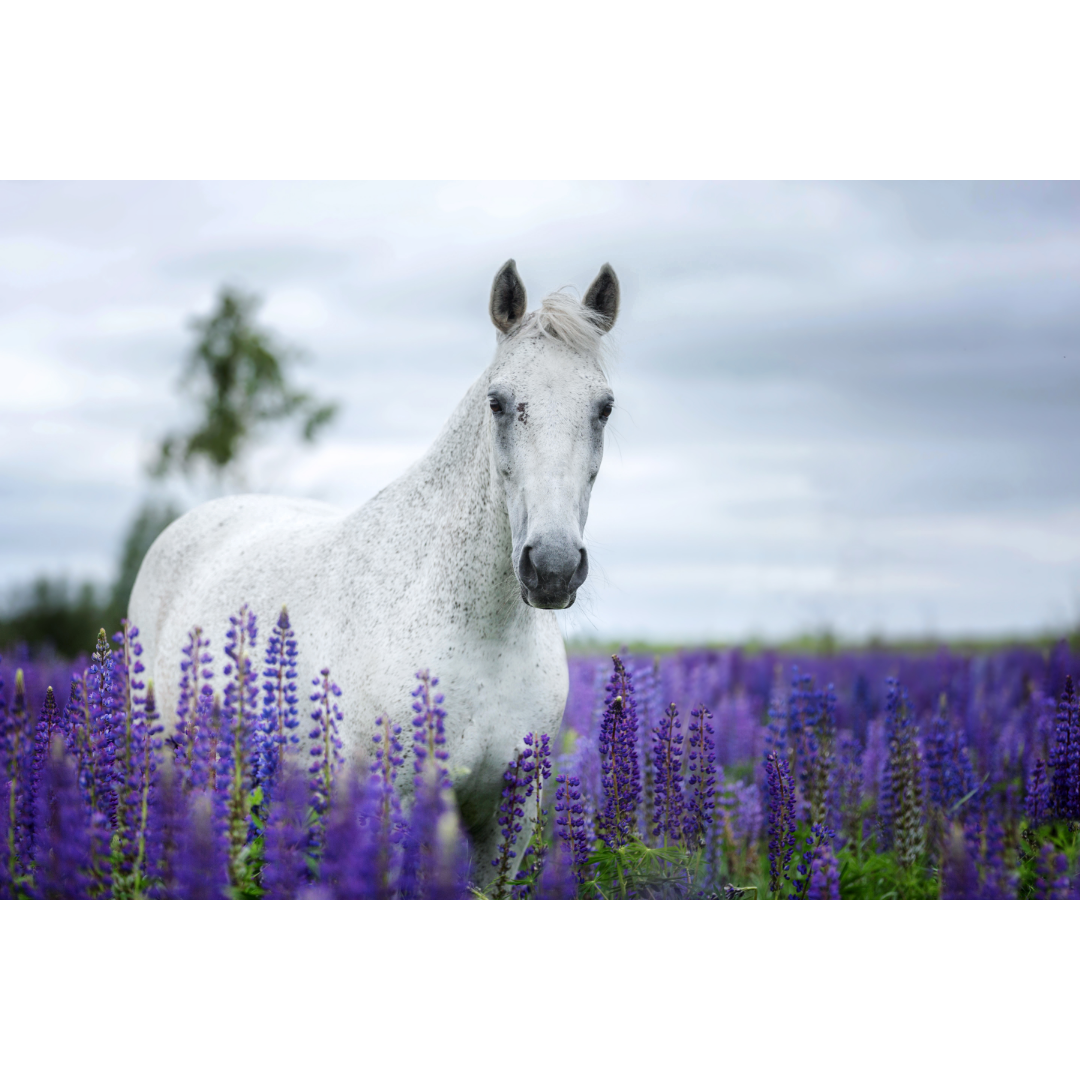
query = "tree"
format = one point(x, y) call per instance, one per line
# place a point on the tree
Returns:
point(238, 375)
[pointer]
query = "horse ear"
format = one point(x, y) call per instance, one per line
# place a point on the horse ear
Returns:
point(507, 297)
point(603, 298)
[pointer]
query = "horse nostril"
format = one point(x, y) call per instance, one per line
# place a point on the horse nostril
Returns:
point(527, 573)
point(581, 573)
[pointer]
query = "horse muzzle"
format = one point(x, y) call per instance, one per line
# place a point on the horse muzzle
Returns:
point(550, 574)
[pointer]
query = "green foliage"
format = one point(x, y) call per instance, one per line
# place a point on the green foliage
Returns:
point(238, 375)
point(638, 872)
point(874, 875)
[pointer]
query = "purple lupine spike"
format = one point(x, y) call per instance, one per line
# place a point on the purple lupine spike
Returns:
point(1037, 802)
point(388, 757)
point(286, 836)
point(203, 772)
point(238, 750)
point(620, 769)
point(347, 869)
point(538, 772)
point(570, 826)
point(820, 839)
point(781, 821)
point(1065, 761)
point(429, 729)
point(422, 841)
point(64, 852)
point(129, 735)
point(280, 716)
point(196, 673)
point(900, 808)
point(825, 876)
point(104, 706)
point(167, 818)
point(510, 819)
point(202, 858)
point(700, 778)
point(667, 784)
point(325, 751)
point(49, 724)
point(995, 877)
point(16, 785)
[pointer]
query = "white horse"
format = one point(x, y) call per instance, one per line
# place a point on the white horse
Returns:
point(457, 566)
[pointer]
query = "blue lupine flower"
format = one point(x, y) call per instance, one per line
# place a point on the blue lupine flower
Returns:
point(429, 730)
point(324, 751)
point(667, 755)
point(196, 672)
point(238, 748)
point(570, 824)
point(900, 801)
point(1037, 803)
point(63, 856)
point(286, 837)
point(781, 820)
point(537, 770)
point(1065, 760)
point(620, 768)
point(700, 779)
point(280, 716)
point(510, 819)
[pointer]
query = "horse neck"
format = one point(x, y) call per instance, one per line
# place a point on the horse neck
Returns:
point(456, 516)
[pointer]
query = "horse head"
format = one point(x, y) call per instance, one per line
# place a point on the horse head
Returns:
point(549, 400)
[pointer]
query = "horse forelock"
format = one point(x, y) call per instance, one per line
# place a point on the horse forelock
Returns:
point(562, 317)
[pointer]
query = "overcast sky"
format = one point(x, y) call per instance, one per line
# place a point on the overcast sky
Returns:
point(845, 406)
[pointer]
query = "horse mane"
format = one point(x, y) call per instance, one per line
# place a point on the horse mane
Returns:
point(564, 318)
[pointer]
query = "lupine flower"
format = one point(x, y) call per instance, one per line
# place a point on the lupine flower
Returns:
point(130, 750)
point(700, 779)
point(280, 717)
point(781, 821)
point(510, 820)
point(49, 724)
point(1065, 789)
point(1037, 803)
point(102, 707)
point(819, 841)
point(203, 867)
point(900, 804)
point(238, 748)
point(621, 774)
point(537, 770)
point(286, 837)
point(325, 750)
point(429, 730)
point(16, 784)
point(433, 860)
point(570, 827)
point(64, 840)
point(667, 765)
point(825, 876)
point(196, 671)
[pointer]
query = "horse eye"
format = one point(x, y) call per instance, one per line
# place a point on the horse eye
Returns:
point(605, 412)
point(495, 406)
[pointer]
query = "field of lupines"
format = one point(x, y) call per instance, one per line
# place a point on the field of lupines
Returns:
point(704, 774)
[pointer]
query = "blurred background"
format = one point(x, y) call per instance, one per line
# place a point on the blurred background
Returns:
point(843, 410)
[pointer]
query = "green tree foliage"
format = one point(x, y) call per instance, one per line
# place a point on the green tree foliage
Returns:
point(238, 375)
